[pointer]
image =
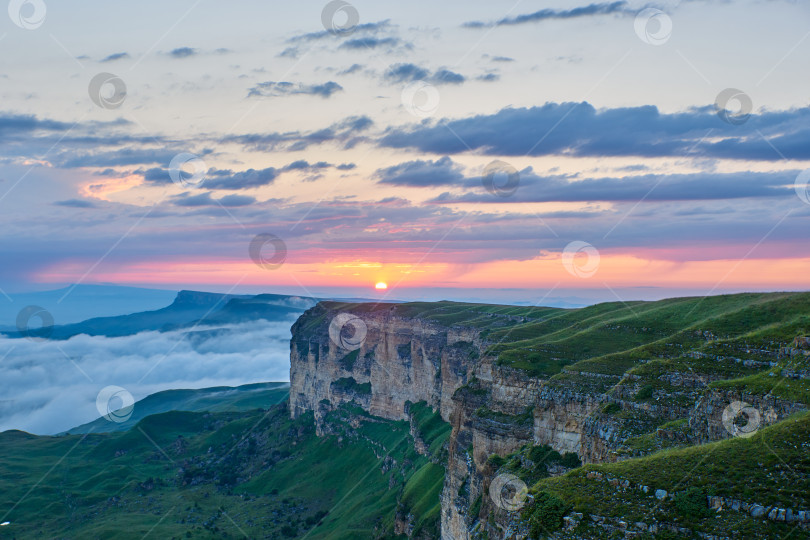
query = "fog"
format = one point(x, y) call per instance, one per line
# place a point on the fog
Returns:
point(47, 387)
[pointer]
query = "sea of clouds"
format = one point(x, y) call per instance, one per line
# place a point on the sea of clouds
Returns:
point(47, 387)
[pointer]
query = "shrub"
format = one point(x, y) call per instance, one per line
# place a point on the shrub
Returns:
point(496, 461)
point(545, 514)
point(570, 460)
point(692, 503)
point(611, 408)
point(644, 393)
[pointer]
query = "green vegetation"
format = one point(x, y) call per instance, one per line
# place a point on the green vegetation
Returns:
point(217, 399)
point(348, 361)
point(223, 475)
point(433, 430)
point(544, 514)
point(349, 384)
point(770, 468)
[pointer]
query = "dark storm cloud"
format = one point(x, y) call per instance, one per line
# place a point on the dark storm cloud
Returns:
point(578, 129)
point(546, 14)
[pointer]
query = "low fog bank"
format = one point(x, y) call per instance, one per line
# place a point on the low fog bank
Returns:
point(50, 386)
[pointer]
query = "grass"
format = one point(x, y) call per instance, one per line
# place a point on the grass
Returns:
point(217, 475)
point(770, 468)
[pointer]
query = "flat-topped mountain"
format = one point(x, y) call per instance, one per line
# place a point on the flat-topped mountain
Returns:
point(608, 383)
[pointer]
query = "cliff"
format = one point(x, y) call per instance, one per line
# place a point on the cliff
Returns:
point(596, 385)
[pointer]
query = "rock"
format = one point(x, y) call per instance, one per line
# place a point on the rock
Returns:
point(660, 494)
point(645, 489)
point(772, 514)
point(757, 511)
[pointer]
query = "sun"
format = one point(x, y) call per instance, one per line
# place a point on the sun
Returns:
point(381, 285)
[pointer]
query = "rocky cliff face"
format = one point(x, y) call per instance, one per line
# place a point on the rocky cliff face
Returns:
point(382, 358)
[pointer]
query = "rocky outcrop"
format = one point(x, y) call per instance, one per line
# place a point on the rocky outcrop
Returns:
point(382, 359)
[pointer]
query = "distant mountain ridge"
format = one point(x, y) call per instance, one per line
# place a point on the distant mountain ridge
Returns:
point(189, 309)
point(216, 399)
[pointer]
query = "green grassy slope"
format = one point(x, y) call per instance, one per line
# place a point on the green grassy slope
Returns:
point(221, 475)
point(216, 399)
point(771, 468)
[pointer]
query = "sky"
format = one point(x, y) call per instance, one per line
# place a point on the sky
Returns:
point(536, 148)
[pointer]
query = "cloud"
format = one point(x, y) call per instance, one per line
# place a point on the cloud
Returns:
point(205, 199)
point(579, 129)
point(354, 68)
point(76, 203)
point(488, 77)
point(374, 43)
point(114, 57)
point(703, 186)
point(420, 173)
point(361, 29)
point(407, 72)
point(46, 392)
point(251, 178)
point(275, 89)
point(183, 52)
point(546, 14)
point(347, 131)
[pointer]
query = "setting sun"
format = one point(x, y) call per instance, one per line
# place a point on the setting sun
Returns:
point(381, 285)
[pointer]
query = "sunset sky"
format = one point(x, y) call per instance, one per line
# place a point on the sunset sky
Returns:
point(369, 150)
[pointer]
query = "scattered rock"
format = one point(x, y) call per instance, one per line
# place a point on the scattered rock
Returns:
point(660, 494)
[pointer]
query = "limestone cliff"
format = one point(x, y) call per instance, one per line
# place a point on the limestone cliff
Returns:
point(385, 356)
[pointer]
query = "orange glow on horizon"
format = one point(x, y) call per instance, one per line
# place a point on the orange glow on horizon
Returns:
point(614, 270)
